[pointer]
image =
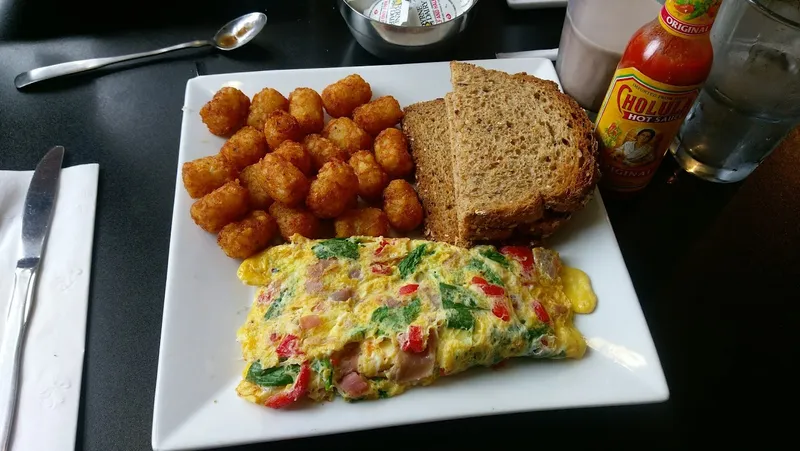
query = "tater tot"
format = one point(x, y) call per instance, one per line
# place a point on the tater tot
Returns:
point(245, 147)
point(347, 135)
point(362, 222)
point(206, 174)
point(295, 153)
point(279, 127)
point(264, 103)
point(391, 152)
point(333, 190)
point(220, 207)
point(306, 106)
point(372, 179)
point(294, 220)
point(402, 207)
point(378, 115)
point(323, 150)
point(285, 183)
point(248, 236)
point(226, 112)
point(254, 178)
point(344, 96)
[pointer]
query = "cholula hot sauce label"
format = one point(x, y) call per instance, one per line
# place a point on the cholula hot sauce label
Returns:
point(640, 115)
point(635, 126)
point(689, 18)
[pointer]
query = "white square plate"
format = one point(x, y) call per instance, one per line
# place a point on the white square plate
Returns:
point(200, 361)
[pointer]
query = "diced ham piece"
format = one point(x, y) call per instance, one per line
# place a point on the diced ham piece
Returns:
point(547, 263)
point(431, 295)
point(341, 295)
point(354, 385)
point(411, 367)
point(313, 286)
point(310, 321)
point(316, 270)
point(346, 360)
point(391, 302)
point(269, 293)
point(355, 273)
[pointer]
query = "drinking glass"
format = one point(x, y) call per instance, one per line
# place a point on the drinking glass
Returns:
point(594, 36)
point(752, 97)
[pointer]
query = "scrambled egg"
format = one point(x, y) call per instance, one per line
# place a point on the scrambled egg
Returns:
point(367, 317)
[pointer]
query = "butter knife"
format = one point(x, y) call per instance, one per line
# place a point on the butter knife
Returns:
point(39, 207)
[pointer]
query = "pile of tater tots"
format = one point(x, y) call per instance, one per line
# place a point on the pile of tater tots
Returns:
point(283, 170)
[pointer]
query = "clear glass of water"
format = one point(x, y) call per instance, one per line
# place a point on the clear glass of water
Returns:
point(752, 97)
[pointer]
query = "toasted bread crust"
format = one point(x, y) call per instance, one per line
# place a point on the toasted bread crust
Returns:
point(425, 126)
point(562, 187)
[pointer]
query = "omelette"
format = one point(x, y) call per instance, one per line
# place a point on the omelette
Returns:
point(367, 317)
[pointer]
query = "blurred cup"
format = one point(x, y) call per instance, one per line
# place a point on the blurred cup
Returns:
point(752, 97)
point(594, 36)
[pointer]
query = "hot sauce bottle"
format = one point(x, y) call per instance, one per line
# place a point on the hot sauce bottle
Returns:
point(655, 84)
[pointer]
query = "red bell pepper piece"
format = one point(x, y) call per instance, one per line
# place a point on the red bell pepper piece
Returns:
point(297, 391)
point(408, 289)
point(500, 310)
point(477, 280)
point(522, 254)
point(488, 289)
point(541, 313)
point(413, 340)
point(380, 268)
point(381, 245)
point(288, 346)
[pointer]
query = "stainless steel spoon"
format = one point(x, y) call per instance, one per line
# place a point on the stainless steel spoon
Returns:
point(233, 35)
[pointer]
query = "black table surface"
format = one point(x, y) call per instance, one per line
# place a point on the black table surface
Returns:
point(715, 266)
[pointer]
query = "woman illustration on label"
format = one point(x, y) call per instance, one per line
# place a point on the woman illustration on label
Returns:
point(638, 151)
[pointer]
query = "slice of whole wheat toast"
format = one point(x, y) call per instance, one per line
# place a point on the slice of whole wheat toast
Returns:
point(520, 147)
point(425, 125)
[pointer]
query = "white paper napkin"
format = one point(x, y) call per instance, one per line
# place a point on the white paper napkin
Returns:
point(47, 409)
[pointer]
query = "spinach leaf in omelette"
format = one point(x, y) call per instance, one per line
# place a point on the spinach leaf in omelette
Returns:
point(535, 333)
point(324, 368)
point(356, 334)
point(272, 377)
point(412, 260)
point(336, 248)
point(458, 302)
point(487, 272)
point(453, 296)
point(276, 306)
point(460, 318)
point(495, 256)
point(395, 319)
